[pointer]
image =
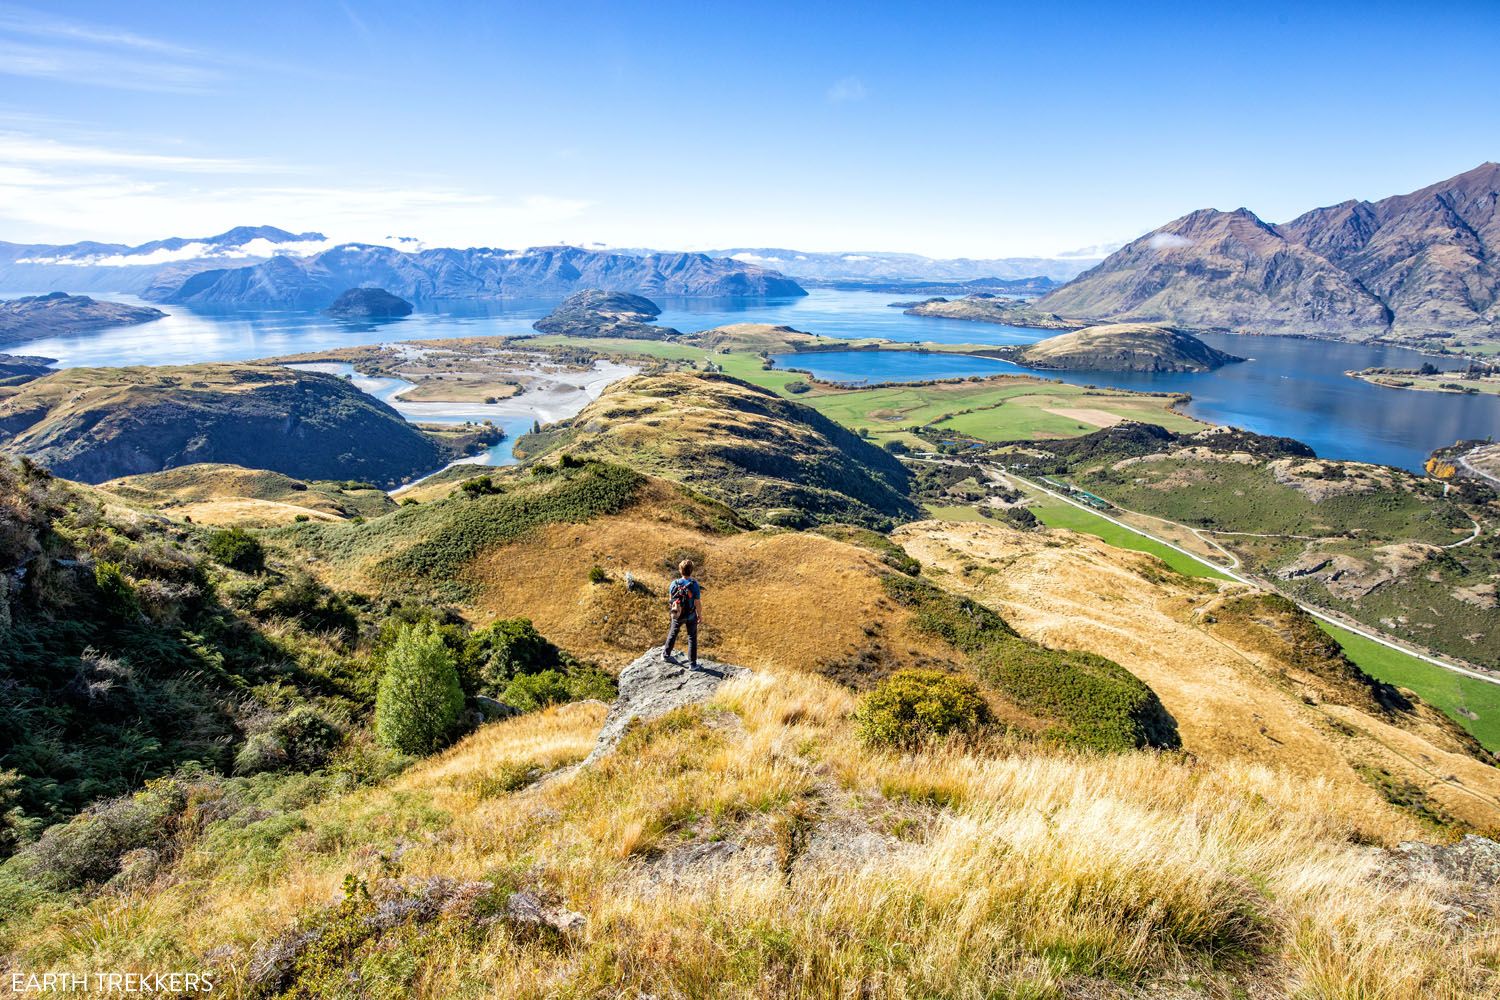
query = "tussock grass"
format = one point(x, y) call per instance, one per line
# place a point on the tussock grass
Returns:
point(1030, 872)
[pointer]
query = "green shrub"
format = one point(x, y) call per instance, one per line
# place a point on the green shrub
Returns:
point(237, 549)
point(1103, 706)
point(419, 700)
point(300, 596)
point(508, 648)
point(88, 849)
point(597, 575)
point(911, 707)
point(529, 692)
point(115, 590)
point(798, 386)
point(964, 624)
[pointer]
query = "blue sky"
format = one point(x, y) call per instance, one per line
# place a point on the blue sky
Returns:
point(948, 129)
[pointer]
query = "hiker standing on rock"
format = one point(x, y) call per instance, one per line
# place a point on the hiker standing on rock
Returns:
point(685, 600)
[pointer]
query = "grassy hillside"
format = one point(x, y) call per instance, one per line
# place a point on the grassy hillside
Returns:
point(93, 424)
point(231, 494)
point(1126, 347)
point(740, 444)
point(1384, 546)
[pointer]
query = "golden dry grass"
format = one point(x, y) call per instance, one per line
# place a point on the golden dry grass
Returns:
point(1043, 874)
point(1232, 690)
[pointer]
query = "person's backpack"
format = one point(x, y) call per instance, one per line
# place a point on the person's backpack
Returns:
point(680, 600)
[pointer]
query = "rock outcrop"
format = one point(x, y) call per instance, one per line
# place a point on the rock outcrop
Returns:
point(653, 686)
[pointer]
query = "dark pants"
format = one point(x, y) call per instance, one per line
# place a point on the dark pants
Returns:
point(692, 631)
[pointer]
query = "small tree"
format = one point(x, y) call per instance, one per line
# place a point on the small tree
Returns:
point(419, 699)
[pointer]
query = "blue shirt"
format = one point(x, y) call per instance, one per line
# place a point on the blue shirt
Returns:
point(690, 613)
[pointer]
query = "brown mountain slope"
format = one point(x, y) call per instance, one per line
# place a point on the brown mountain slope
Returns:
point(1419, 265)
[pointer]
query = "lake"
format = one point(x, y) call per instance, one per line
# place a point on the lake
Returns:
point(1290, 387)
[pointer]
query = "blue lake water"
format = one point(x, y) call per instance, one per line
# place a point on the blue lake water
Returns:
point(1291, 387)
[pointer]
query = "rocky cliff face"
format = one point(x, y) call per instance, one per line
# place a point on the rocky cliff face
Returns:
point(94, 424)
point(313, 282)
point(1419, 266)
point(59, 314)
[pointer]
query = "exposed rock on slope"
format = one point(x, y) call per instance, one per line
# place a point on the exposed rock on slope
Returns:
point(1134, 347)
point(94, 424)
point(652, 686)
point(763, 455)
point(597, 313)
point(369, 303)
point(59, 314)
point(1417, 265)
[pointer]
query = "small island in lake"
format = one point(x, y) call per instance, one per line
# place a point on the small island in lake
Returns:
point(1125, 347)
point(369, 303)
point(594, 312)
point(59, 314)
point(1477, 378)
point(987, 308)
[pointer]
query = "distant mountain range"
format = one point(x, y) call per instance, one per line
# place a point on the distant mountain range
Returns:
point(1419, 266)
point(880, 266)
point(266, 267)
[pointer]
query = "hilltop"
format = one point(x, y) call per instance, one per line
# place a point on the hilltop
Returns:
point(597, 313)
point(1411, 266)
point(59, 314)
point(94, 424)
point(1137, 347)
point(762, 454)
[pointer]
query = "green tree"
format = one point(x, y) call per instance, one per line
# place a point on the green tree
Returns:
point(419, 699)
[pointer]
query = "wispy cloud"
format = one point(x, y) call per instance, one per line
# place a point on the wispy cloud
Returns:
point(850, 88)
point(20, 147)
point(43, 46)
point(25, 21)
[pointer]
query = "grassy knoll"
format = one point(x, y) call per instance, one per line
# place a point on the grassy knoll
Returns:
point(1474, 704)
point(1056, 514)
